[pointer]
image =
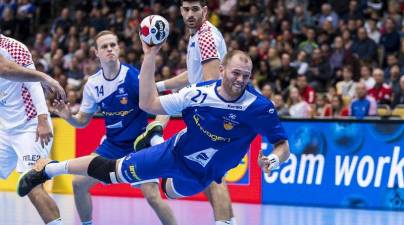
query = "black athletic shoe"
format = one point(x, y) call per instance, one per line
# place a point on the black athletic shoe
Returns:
point(32, 178)
point(143, 140)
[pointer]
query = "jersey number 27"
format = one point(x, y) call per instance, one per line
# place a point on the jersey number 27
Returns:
point(198, 99)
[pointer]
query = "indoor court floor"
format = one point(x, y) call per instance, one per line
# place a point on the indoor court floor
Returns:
point(131, 211)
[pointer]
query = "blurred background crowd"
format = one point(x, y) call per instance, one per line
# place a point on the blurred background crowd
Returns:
point(312, 58)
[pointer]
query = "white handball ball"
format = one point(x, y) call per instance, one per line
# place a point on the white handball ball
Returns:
point(154, 29)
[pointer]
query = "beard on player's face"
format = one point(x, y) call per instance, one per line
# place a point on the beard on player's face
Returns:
point(194, 21)
point(234, 86)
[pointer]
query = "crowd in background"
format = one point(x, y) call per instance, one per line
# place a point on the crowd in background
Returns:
point(312, 58)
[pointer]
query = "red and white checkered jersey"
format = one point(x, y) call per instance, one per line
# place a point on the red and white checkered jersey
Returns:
point(16, 104)
point(207, 43)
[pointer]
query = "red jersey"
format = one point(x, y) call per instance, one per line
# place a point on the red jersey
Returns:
point(381, 93)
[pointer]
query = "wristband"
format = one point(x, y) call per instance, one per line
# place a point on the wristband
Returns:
point(160, 86)
point(273, 161)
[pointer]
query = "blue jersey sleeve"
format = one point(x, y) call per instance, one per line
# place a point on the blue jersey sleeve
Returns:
point(265, 121)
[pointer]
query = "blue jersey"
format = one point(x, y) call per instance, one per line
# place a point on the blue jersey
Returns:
point(360, 108)
point(118, 101)
point(219, 132)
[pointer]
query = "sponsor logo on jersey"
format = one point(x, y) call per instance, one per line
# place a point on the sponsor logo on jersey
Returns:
point(234, 106)
point(119, 113)
point(208, 133)
point(121, 90)
point(31, 159)
point(202, 157)
point(133, 172)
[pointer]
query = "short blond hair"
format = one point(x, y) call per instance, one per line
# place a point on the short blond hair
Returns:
point(102, 33)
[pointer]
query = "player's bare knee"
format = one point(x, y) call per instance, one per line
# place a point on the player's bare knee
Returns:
point(153, 197)
point(81, 184)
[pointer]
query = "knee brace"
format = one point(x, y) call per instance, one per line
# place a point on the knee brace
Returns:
point(102, 169)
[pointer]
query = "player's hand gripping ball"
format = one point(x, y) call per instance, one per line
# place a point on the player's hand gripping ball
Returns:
point(154, 29)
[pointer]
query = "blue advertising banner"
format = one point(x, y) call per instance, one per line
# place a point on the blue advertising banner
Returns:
point(340, 164)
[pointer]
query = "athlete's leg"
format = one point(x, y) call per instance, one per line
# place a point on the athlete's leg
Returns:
point(180, 187)
point(219, 197)
point(28, 151)
point(44, 204)
point(82, 197)
point(152, 194)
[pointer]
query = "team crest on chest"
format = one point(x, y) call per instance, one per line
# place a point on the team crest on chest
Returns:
point(122, 95)
point(230, 122)
point(124, 100)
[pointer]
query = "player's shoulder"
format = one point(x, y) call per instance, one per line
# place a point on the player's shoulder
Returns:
point(95, 78)
point(260, 102)
point(130, 68)
point(6, 41)
point(207, 28)
point(206, 83)
point(205, 86)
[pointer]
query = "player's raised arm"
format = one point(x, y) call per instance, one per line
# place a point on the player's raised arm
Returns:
point(148, 97)
point(211, 69)
point(177, 82)
point(12, 71)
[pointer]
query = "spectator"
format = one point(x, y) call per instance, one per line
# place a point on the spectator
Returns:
point(373, 30)
point(300, 20)
point(336, 108)
point(266, 91)
point(381, 92)
point(321, 104)
point(398, 97)
point(340, 55)
point(319, 72)
point(346, 87)
point(392, 60)
point(364, 47)
point(8, 24)
point(62, 21)
point(328, 14)
point(73, 101)
point(75, 74)
point(300, 64)
point(309, 44)
point(395, 78)
point(298, 108)
point(354, 11)
point(274, 59)
point(280, 106)
point(306, 91)
point(366, 77)
point(285, 73)
point(361, 106)
point(390, 39)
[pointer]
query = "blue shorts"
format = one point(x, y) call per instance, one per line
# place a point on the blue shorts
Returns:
point(161, 161)
point(112, 151)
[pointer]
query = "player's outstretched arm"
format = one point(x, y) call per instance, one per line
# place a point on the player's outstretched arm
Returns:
point(148, 97)
point(279, 155)
point(211, 70)
point(79, 120)
point(177, 82)
point(12, 71)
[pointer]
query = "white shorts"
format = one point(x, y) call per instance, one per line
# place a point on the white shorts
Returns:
point(20, 151)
